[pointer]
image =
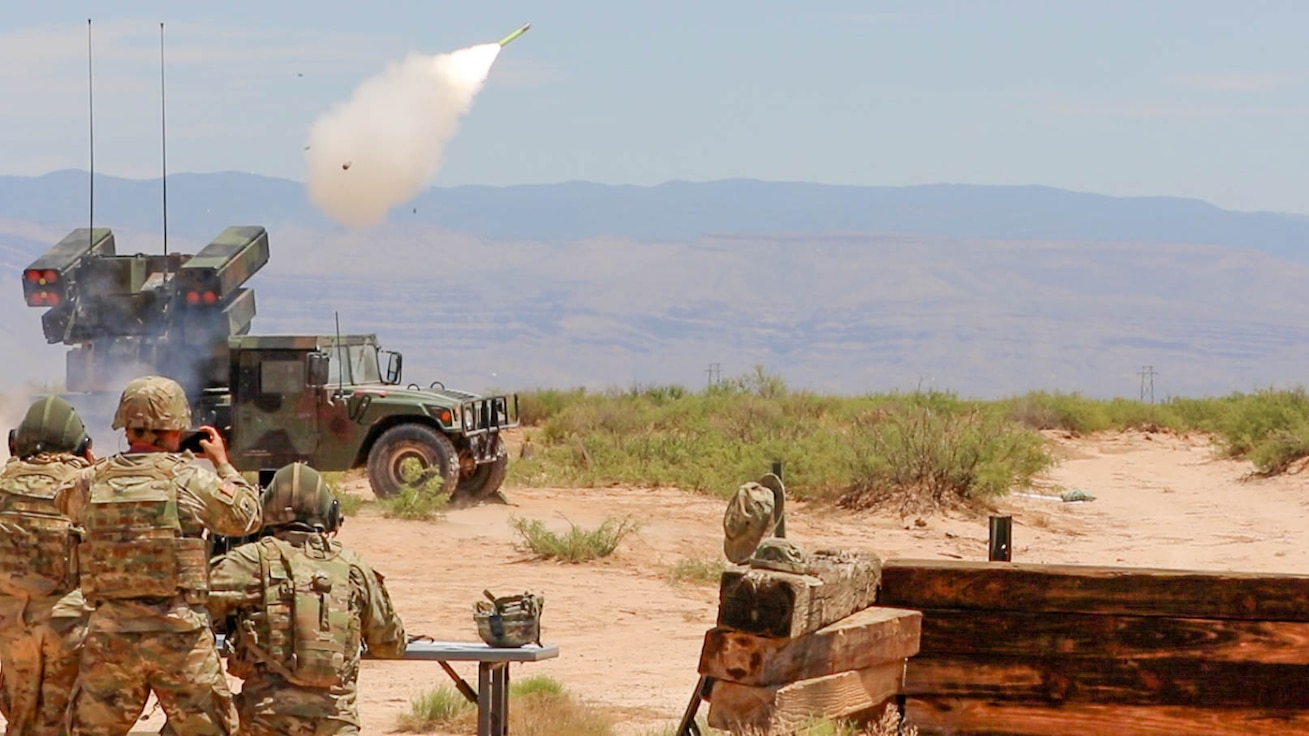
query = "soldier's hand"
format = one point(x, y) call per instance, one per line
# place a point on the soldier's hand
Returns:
point(214, 447)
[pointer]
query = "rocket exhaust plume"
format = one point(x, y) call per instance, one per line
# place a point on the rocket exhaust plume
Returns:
point(380, 148)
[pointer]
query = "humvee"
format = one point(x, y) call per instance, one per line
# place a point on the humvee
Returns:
point(328, 401)
point(324, 399)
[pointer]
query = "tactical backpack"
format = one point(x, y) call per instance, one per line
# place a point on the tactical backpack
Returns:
point(306, 631)
point(133, 545)
point(36, 541)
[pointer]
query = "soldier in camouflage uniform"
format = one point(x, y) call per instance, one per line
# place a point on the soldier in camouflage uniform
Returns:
point(144, 569)
point(42, 617)
point(302, 606)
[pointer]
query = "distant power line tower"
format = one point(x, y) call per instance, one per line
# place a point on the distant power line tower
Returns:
point(1147, 374)
point(714, 373)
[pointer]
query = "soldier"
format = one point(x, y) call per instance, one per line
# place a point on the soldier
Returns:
point(145, 569)
point(302, 605)
point(42, 617)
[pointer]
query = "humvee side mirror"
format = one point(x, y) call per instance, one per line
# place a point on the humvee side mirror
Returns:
point(394, 362)
point(316, 366)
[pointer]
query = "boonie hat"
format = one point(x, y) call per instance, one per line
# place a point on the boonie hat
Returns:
point(752, 514)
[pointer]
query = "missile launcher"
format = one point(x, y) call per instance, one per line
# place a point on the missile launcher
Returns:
point(171, 314)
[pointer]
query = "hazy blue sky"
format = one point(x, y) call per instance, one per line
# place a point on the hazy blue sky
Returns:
point(1190, 98)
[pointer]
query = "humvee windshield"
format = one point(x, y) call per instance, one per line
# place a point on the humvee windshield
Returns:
point(360, 364)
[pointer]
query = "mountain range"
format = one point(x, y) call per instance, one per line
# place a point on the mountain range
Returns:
point(984, 290)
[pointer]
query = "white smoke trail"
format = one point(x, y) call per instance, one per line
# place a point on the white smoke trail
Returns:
point(380, 148)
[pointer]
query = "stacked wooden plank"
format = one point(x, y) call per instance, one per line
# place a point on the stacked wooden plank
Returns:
point(789, 647)
point(1061, 649)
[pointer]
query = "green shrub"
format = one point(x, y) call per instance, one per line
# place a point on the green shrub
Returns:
point(756, 383)
point(1071, 412)
point(441, 707)
point(1131, 414)
point(925, 459)
point(535, 407)
point(333, 478)
point(350, 503)
point(1280, 450)
point(541, 706)
point(536, 685)
point(577, 544)
point(697, 571)
point(714, 440)
point(1248, 420)
point(415, 504)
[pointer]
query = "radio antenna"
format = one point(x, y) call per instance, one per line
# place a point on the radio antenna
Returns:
point(163, 134)
point(340, 357)
point(90, 106)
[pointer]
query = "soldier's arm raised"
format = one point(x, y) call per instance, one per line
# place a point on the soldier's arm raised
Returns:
point(223, 502)
point(382, 629)
point(234, 582)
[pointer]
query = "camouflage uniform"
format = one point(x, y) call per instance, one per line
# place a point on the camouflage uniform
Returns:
point(277, 590)
point(144, 569)
point(40, 635)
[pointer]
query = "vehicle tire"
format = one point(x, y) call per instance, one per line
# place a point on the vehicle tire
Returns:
point(431, 451)
point(483, 482)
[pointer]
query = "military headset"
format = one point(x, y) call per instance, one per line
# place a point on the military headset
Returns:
point(334, 518)
point(80, 450)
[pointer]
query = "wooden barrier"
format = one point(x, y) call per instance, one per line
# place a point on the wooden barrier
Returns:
point(789, 647)
point(770, 603)
point(1030, 649)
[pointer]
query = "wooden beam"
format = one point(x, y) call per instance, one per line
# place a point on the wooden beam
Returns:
point(1088, 589)
point(1054, 681)
point(870, 637)
point(971, 717)
point(948, 631)
point(771, 603)
point(764, 711)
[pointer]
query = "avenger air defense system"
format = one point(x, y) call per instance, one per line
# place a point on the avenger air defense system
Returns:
point(328, 400)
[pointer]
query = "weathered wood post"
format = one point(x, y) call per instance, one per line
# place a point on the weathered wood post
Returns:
point(1001, 546)
point(779, 501)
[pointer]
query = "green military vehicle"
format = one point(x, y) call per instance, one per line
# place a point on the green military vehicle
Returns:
point(325, 399)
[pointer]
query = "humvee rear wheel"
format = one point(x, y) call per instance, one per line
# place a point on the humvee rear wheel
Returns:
point(413, 455)
point(485, 479)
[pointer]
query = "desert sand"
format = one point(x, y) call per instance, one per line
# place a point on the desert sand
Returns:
point(630, 638)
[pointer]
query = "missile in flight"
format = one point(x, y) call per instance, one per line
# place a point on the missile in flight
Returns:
point(505, 41)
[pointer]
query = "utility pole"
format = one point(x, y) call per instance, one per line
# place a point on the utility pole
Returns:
point(714, 373)
point(1147, 374)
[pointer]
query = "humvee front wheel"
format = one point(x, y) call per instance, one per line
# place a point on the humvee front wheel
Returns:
point(412, 455)
point(486, 479)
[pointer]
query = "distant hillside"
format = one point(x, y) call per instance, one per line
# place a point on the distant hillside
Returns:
point(201, 205)
point(984, 290)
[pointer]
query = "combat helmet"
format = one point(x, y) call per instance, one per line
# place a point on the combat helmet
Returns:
point(153, 402)
point(299, 495)
point(50, 425)
point(510, 621)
